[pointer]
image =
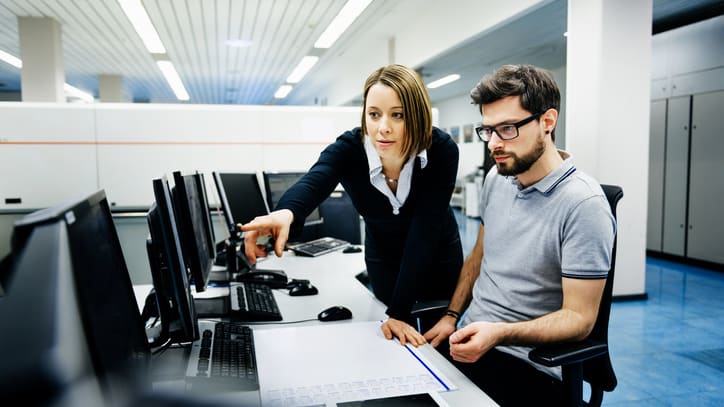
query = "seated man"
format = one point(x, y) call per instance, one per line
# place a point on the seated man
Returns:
point(538, 268)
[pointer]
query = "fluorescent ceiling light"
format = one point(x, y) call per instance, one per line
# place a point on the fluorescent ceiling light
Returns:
point(173, 79)
point(75, 92)
point(443, 81)
point(302, 68)
point(341, 22)
point(239, 43)
point(142, 24)
point(12, 60)
point(283, 91)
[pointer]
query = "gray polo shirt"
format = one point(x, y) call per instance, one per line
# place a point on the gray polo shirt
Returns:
point(561, 226)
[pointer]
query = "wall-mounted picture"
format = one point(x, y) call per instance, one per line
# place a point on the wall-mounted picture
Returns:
point(468, 133)
point(455, 133)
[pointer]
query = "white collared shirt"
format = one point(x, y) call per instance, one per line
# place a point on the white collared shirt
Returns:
point(377, 178)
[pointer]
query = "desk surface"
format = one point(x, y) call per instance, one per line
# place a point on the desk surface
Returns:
point(334, 276)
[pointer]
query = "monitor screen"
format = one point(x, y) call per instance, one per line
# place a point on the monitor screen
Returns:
point(168, 269)
point(244, 196)
point(277, 183)
point(111, 319)
point(192, 225)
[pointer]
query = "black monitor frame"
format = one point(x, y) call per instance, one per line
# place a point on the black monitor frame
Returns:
point(244, 196)
point(201, 184)
point(225, 208)
point(192, 226)
point(168, 270)
point(111, 320)
point(273, 193)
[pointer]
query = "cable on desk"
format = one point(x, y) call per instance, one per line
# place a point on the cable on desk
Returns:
point(265, 322)
point(162, 348)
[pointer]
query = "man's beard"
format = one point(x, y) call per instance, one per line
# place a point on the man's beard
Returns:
point(520, 164)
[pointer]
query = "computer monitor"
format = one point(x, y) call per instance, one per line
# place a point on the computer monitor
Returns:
point(193, 228)
point(39, 363)
point(277, 183)
point(168, 270)
point(204, 199)
point(244, 196)
point(111, 321)
point(225, 208)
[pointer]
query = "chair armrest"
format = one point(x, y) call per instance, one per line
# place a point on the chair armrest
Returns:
point(429, 307)
point(561, 354)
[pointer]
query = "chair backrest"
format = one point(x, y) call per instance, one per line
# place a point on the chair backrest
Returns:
point(340, 218)
point(599, 370)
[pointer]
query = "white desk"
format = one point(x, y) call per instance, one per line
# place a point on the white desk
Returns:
point(334, 276)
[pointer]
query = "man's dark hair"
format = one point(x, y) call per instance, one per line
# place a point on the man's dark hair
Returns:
point(537, 90)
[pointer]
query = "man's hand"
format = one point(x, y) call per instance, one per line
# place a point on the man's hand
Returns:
point(441, 331)
point(402, 331)
point(471, 342)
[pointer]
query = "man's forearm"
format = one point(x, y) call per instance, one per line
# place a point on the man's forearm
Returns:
point(464, 289)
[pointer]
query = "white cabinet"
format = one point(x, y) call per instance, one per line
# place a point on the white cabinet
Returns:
point(686, 189)
point(705, 239)
point(657, 141)
point(676, 171)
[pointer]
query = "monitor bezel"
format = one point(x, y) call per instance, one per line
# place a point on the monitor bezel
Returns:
point(192, 230)
point(180, 324)
point(314, 217)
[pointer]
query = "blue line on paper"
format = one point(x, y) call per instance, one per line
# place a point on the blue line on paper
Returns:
point(428, 368)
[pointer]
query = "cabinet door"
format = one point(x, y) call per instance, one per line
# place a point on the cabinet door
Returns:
point(657, 143)
point(706, 184)
point(675, 175)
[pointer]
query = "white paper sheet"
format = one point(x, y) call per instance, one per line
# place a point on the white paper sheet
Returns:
point(324, 364)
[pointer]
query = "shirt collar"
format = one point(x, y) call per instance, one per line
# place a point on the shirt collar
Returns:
point(374, 162)
point(550, 181)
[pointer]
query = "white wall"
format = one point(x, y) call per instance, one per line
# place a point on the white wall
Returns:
point(53, 152)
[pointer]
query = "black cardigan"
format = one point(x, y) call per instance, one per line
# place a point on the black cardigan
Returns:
point(425, 220)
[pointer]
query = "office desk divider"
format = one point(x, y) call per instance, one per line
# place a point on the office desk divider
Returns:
point(331, 363)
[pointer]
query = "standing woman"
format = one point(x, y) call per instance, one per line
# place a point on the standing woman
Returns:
point(399, 172)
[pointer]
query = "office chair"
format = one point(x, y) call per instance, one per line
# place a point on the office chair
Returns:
point(587, 360)
point(340, 218)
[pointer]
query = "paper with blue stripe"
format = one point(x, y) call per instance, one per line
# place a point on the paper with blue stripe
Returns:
point(339, 362)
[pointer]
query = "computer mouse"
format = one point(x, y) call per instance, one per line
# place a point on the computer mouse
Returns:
point(303, 289)
point(352, 249)
point(335, 313)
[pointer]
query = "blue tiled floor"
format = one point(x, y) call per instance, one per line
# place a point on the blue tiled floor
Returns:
point(667, 350)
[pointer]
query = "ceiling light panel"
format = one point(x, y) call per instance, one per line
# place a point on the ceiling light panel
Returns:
point(138, 17)
point(351, 10)
point(443, 81)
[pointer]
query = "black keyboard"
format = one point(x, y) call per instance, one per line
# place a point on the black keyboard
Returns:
point(318, 247)
point(223, 358)
point(253, 302)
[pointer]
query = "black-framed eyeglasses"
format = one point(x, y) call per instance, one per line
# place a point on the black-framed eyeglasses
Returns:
point(507, 131)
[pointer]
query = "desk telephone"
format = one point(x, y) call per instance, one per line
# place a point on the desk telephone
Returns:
point(243, 271)
point(270, 277)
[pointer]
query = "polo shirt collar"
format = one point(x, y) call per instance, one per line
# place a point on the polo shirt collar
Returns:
point(552, 180)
